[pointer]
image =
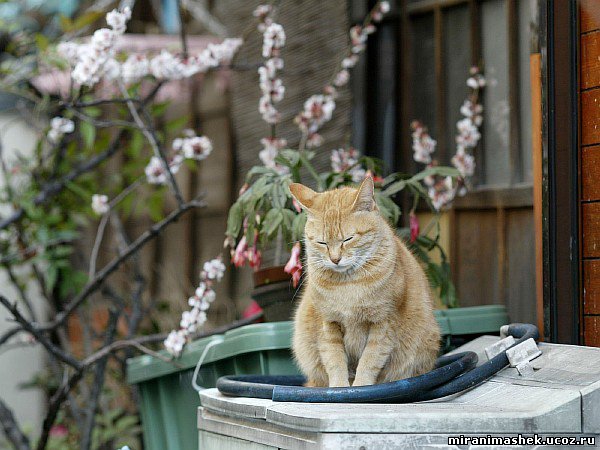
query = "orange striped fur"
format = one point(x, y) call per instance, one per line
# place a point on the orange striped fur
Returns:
point(366, 313)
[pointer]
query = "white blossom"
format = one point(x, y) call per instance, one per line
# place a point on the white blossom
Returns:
point(423, 144)
point(69, 51)
point(103, 39)
point(267, 155)
point(464, 162)
point(349, 62)
point(135, 68)
point(273, 40)
point(117, 20)
point(191, 320)
point(347, 161)
point(155, 172)
point(175, 342)
point(214, 269)
point(318, 109)
point(59, 126)
point(100, 204)
point(197, 147)
point(341, 78)
point(468, 133)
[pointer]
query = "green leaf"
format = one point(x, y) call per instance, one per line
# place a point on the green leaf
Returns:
point(298, 226)
point(235, 220)
point(41, 41)
point(272, 221)
point(176, 124)
point(278, 196)
point(88, 134)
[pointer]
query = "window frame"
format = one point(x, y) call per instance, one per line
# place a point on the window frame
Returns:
point(482, 195)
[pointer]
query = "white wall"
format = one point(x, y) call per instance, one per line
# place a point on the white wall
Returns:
point(21, 364)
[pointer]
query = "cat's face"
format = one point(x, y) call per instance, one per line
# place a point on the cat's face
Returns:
point(342, 228)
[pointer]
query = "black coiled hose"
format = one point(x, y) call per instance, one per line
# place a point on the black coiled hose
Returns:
point(453, 374)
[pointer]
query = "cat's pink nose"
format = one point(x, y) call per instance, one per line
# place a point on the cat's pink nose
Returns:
point(335, 260)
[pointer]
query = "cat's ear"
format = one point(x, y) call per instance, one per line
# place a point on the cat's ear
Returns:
point(365, 197)
point(303, 195)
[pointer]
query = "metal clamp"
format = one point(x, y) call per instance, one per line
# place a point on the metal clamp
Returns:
point(522, 354)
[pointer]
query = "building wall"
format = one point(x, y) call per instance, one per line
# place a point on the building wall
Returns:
point(19, 363)
point(589, 99)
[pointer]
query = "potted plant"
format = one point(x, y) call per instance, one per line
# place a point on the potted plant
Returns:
point(265, 224)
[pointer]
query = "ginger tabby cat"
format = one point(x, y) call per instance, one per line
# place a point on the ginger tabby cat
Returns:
point(366, 314)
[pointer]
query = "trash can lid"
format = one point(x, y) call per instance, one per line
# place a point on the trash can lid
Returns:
point(246, 339)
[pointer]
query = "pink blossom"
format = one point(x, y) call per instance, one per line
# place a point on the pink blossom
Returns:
point(341, 78)
point(251, 310)
point(464, 162)
point(349, 62)
point(294, 266)
point(347, 161)
point(296, 205)
point(254, 257)
point(239, 256)
point(197, 147)
point(59, 431)
point(414, 227)
point(273, 40)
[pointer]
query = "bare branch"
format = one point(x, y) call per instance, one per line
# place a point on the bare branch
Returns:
point(27, 326)
point(94, 284)
point(54, 405)
point(11, 428)
point(99, 373)
point(150, 134)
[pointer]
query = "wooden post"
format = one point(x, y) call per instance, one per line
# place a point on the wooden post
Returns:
point(535, 75)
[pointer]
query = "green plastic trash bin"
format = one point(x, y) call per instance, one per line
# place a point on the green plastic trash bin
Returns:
point(168, 403)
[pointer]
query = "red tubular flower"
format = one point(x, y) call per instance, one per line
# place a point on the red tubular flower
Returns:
point(239, 256)
point(414, 227)
point(254, 257)
point(297, 206)
point(294, 266)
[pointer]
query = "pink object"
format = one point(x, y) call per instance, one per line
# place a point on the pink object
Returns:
point(59, 431)
point(294, 266)
point(239, 256)
point(414, 227)
point(251, 310)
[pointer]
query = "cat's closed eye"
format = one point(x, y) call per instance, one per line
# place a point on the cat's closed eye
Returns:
point(348, 239)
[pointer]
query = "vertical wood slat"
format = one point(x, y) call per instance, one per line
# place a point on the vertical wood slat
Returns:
point(513, 92)
point(475, 31)
point(501, 252)
point(535, 74)
point(440, 89)
point(406, 113)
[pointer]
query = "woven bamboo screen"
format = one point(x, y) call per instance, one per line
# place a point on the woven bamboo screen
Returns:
point(316, 33)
